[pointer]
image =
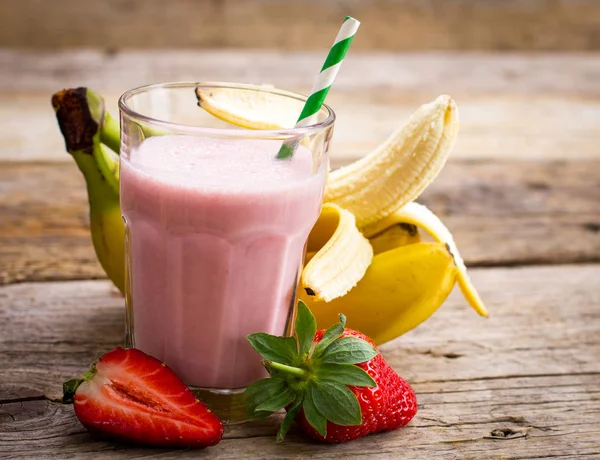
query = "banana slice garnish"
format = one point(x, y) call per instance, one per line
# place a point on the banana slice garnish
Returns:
point(250, 110)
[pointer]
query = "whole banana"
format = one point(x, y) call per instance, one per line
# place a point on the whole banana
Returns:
point(85, 127)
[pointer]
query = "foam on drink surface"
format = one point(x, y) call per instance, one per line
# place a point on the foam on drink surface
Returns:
point(216, 164)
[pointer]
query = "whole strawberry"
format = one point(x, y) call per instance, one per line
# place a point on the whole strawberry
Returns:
point(130, 396)
point(334, 383)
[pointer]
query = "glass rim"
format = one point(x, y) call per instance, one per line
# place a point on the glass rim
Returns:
point(223, 132)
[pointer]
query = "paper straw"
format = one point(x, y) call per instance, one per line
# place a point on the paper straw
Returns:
point(324, 80)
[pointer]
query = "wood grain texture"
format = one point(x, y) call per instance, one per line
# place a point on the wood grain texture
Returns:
point(303, 24)
point(523, 187)
point(511, 106)
point(367, 74)
point(531, 368)
point(501, 213)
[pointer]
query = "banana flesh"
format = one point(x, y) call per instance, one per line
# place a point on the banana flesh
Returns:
point(419, 215)
point(397, 171)
point(401, 289)
point(342, 255)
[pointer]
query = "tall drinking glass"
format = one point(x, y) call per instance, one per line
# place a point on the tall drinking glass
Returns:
point(215, 231)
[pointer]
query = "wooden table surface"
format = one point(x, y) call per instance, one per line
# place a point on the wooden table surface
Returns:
point(521, 195)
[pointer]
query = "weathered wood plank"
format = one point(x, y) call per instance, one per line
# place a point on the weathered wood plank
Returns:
point(501, 213)
point(512, 106)
point(532, 367)
point(45, 428)
point(367, 74)
point(294, 24)
point(540, 316)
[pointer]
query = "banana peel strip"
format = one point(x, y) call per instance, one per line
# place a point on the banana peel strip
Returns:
point(419, 215)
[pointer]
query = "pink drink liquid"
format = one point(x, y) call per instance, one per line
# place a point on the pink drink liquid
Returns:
point(217, 229)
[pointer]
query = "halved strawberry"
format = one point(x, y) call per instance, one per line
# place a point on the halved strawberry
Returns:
point(131, 396)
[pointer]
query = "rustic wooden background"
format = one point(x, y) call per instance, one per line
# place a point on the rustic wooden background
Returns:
point(521, 194)
point(395, 25)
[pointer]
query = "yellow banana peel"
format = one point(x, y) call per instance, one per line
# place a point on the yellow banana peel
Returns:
point(394, 236)
point(401, 289)
point(419, 215)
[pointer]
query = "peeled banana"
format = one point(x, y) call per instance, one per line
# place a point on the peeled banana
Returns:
point(396, 172)
point(83, 123)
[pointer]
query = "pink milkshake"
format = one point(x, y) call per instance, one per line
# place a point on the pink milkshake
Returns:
point(216, 230)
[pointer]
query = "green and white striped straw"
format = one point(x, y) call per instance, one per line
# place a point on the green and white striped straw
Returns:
point(324, 81)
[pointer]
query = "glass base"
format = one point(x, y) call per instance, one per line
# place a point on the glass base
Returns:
point(227, 404)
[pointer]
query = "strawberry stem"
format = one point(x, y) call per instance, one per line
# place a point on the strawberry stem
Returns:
point(286, 369)
point(70, 387)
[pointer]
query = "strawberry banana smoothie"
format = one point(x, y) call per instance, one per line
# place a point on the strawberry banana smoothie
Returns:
point(216, 230)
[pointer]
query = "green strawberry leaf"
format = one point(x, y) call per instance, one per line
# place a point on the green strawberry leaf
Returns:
point(69, 389)
point(279, 401)
point(306, 328)
point(278, 349)
point(349, 350)
point(313, 416)
point(288, 419)
point(333, 333)
point(348, 374)
point(259, 393)
point(314, 378)
point(336, 402)
point(70, 386)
